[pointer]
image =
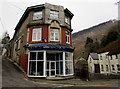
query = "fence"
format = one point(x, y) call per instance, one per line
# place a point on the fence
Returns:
point(97, 76)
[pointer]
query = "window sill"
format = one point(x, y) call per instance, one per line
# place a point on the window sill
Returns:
point(37, 19)
point(55, 41)
point(50, 18)
point(67, 43)
point(36, 41)
point(67, 23)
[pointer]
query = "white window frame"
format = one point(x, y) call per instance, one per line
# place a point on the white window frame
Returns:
point(54, 14)
point(67, 20)
point(118, 67)
point(69, 60)
point(107, 68)
point(44, 64)
point(67, 37)
point(36, 34)
point(113, 67)
point(102, 67)
point(37, 15)
point(54, 31)
point(19, 41)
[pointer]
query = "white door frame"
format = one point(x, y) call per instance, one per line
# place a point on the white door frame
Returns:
point(52, 69)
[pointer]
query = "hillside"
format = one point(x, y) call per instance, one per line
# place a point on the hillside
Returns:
point(95, 32)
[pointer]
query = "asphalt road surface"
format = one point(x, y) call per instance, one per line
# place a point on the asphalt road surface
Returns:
point(13, 78)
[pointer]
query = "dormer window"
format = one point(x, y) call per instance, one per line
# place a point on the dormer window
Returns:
point(53, 14)
point(67, 20)
point(37, 15)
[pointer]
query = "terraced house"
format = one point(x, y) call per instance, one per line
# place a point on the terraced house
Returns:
point(107, 60)
point(42, 42)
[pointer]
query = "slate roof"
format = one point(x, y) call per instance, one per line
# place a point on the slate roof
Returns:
point(94, 56)
point(112, 48)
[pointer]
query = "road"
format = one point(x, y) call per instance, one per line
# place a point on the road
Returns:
point(13, 78)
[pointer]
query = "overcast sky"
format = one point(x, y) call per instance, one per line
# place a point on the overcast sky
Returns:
point(87, 13)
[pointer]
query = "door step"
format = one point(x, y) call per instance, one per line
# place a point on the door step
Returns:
point(60, 78)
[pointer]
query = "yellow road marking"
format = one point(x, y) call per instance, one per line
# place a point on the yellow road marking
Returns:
point(67, 84)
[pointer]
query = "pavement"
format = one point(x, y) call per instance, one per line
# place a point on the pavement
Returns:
point(14, 78)
point(0, 71)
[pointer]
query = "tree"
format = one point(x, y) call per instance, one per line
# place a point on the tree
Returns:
point(88, 41)
point(111, 36)
point(88, 47)
point(5, 42)
point(96, 46)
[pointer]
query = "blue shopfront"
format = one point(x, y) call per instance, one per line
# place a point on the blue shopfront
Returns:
point(50, 60)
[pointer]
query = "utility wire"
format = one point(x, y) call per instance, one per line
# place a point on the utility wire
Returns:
point(2, 24)
point(16, 6)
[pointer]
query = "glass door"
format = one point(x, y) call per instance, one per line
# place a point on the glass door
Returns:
point(51, 67)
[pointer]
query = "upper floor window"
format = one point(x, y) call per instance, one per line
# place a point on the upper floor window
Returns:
point(18, 44)
point(54, 34)
point(106, 67)
point(67, 37)
point(37, 15)
point(118, 67)
point(111, 57)
point(113, 68)
point(53, 14)
point(90, 60)
point(116, 56)
point(67, 20)
point(101, 56)
point(106, 56)
point(36, 34)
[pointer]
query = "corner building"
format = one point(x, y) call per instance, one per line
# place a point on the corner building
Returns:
point(42, 42)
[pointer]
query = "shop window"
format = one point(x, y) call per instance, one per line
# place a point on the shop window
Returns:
point(40, 56)
point(68, 63)
point(53, 14)
point(36, 34)
point(32, 68)
point(40, 68)
point(32, 55)
point(59, 63)
point(37, 15)
point(36, 63)
point(54, 34)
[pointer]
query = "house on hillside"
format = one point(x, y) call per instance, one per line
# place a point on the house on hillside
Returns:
point(42, 42)
point(93, 63)
point(106, 60)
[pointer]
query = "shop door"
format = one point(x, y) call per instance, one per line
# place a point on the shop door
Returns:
point(51, 67)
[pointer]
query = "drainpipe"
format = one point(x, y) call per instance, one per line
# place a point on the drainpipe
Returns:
point(109, 64)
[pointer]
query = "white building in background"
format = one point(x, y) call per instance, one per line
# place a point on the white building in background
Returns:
point(106, 61)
